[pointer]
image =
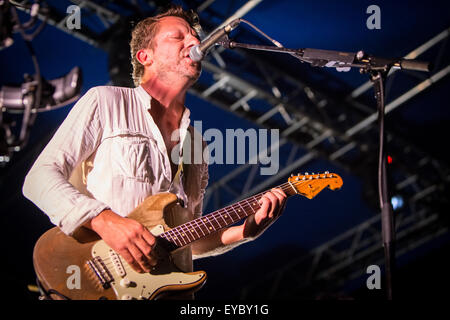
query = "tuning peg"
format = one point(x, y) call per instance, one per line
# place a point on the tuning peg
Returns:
point(306, 173)
point(292, 175)
point(327, 172)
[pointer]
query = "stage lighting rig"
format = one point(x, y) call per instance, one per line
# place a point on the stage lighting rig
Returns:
point(10, 23)
point(35, 94)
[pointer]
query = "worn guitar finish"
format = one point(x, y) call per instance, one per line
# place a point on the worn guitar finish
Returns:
point(105, 275)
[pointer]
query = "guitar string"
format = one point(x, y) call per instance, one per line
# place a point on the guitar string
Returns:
point(285, 186)
point(245, 206)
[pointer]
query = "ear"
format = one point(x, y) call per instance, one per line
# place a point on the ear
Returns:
point(144, 56)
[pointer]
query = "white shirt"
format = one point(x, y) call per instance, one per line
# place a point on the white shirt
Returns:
point(110, 135)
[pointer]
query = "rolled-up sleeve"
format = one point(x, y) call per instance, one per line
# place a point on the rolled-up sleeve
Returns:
point(47, 185)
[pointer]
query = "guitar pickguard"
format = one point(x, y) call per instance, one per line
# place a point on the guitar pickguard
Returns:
point(129, 284)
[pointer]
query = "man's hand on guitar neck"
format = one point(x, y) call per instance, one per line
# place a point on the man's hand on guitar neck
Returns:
point(272, 205)
point(127, 237)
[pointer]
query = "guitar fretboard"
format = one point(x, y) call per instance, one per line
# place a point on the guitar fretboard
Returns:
point(307, 185)
point(212, 222)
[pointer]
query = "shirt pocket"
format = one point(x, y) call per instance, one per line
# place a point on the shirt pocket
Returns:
point(131, 158)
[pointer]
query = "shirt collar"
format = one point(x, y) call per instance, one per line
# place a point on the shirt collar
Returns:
point(146, 98)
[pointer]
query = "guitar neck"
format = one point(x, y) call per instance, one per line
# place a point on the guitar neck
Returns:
point(307, 185)
point(196, 229)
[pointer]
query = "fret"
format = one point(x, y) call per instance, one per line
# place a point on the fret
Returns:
point(234, 219)
point(212, 216)
point(185, 230)
point(250, 205)
point(223, 218)
point(183, 234)
point(197, 221)
point(256, 203)
point(194, 228)
point(226, 216)
point(211, 227)
point(176, 229)
point(176, 238)
point(166, 236)
point(189, 228)
point(290, 184)
point(242, 208)
point(173, 238)
point(199, 226)
point(239, 217)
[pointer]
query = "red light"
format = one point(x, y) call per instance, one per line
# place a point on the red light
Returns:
point(389, 159)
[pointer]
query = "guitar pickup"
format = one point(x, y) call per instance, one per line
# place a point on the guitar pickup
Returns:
point(117, 263)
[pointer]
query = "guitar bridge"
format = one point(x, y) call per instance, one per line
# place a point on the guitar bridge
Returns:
point(102, 273)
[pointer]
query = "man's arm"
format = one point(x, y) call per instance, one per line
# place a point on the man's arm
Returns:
point(272, 205)
point(47, 185)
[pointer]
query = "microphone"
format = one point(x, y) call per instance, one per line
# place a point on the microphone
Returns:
point(198, 51)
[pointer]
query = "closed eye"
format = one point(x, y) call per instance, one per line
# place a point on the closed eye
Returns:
point(176, 35)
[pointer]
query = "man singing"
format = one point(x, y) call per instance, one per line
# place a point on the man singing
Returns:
point(115, 149)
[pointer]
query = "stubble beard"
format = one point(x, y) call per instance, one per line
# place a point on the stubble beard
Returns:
point(167, 72)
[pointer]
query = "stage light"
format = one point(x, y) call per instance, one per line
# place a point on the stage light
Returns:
point(35, 94)
point(30, 98)
point(397, 202)
point(55, 93)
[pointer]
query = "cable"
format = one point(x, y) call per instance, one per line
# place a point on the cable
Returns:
point(34, 10)
point(275, 42)
point(29, 117)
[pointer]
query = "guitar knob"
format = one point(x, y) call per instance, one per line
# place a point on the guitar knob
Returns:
point(125, 282)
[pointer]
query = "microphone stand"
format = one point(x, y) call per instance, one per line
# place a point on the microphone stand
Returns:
point(377, 68)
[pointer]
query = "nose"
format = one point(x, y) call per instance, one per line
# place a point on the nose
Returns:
point(192, 40)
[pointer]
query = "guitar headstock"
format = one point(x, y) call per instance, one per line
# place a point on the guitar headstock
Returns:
point(309, 185)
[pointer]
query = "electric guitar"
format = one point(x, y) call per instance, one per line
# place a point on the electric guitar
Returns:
point(103, 274)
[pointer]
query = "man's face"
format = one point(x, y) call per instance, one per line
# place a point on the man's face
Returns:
point(171, 47)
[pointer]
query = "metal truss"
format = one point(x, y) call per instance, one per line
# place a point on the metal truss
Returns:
point(331, 265)
point(320, 133)
point(417, 174)
point(315, 121)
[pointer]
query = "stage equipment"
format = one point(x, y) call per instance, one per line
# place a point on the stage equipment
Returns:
point(377, 68)
point(35, 94)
